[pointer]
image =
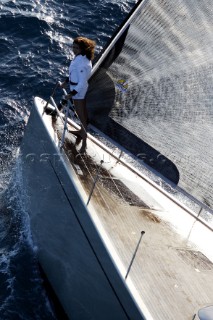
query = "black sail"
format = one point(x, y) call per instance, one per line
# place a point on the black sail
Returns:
point(151, 91)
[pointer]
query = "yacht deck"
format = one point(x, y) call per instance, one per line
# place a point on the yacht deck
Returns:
point(172, 274)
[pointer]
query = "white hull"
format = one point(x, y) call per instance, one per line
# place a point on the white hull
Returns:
point(70, 250)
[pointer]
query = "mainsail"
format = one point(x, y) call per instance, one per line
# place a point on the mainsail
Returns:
point(151, 90)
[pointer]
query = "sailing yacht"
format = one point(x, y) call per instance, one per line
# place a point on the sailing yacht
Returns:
point(124, 231)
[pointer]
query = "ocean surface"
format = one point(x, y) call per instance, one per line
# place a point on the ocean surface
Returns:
point(35, 39)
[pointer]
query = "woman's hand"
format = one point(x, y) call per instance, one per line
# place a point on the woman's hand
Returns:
point(63, 84)
point(70, 94)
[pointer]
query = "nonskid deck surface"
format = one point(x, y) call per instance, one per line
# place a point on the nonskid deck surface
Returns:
point(172, 273)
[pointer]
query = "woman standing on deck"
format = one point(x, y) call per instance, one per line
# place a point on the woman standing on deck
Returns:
point(79, 73)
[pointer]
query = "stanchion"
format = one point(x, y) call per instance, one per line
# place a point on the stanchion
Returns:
point(133, 257)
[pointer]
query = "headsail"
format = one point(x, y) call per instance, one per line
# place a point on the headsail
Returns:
point(152, 90)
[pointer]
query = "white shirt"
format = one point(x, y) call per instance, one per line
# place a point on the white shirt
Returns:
point(79, 72)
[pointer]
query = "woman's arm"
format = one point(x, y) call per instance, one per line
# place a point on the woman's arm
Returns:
point(82, 74)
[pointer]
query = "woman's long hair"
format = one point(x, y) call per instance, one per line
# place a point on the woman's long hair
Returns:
point(87, 47)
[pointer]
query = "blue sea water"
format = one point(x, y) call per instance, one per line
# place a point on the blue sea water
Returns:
point(35, 39)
